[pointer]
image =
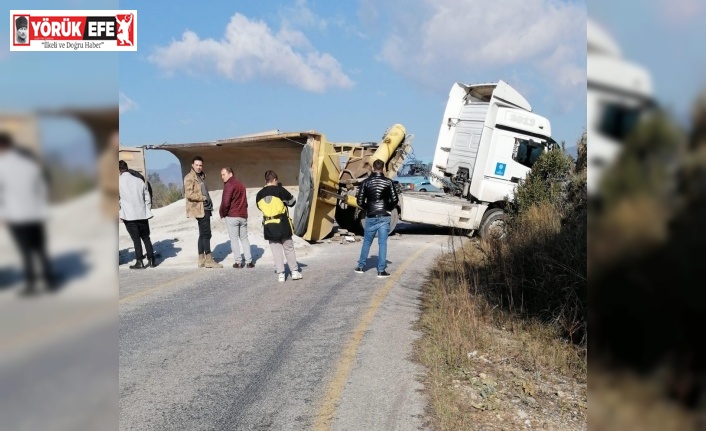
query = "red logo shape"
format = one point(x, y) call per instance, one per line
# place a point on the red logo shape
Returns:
point(126, 29)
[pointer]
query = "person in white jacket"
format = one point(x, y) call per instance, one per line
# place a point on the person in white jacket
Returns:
point(135, 212)
point(24, 209)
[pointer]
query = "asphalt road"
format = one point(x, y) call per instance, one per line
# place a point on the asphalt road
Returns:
point(233, 349)
point(59, 352)
point(64, 376)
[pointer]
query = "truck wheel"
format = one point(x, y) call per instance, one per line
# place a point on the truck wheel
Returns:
point(394, 218)
point(302, 208)
point(360, 222)
point(493, 224)
point(345, 217)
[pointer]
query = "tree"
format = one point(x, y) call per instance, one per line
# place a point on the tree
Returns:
point(163, 194)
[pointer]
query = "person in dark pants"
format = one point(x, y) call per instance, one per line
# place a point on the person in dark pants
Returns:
point(377, 196)
point(135, 212)
point(31, 241)
point(200, 206)
point(23, 209)
point(136, 174)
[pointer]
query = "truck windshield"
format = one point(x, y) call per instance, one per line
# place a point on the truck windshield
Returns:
point(618, 121)
point(527, 152)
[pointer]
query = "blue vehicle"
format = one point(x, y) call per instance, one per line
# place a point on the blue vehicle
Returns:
point(411, 176)
point(417, 184)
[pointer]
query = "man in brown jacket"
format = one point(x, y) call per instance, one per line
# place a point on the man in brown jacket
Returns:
point(199, 205)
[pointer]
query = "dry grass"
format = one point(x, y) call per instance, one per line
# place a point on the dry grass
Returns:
point(647, 303)
point(490, 368)
point(539, 271)
point(631, 228)
point(506, 319)
point(624, 401)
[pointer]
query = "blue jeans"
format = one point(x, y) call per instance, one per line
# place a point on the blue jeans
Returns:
point(381, 225)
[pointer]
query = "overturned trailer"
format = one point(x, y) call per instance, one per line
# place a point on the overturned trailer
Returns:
point(24, 127)
point(135, 159)
point(249, 156)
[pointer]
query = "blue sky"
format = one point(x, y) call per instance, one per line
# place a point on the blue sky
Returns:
point(38, 80)
point(219, 69)
point(664, 36)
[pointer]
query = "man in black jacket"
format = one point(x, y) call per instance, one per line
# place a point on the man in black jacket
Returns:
point(377, 196)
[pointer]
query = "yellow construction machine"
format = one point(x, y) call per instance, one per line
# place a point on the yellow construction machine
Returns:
point(329, 177)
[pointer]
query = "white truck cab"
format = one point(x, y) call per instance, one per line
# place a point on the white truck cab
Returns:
point(619, 93)
point(488, 141)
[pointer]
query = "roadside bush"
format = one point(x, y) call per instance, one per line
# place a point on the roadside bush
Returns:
point(66, 183)
point(647, 164)
point(646, 263)
point(538, 271)
point(545, 183)
point(512, 303)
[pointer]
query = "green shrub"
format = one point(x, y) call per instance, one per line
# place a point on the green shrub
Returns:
point(546, 181)
point(163, 194)
point(538, 271)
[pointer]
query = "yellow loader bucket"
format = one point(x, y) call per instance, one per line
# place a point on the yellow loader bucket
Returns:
point(319, 175)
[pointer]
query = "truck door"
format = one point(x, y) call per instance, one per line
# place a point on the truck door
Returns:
point(500, 162)
point(511, 159)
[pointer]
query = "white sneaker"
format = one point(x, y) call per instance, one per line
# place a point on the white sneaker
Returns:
point(280, 277)
point(296, 275)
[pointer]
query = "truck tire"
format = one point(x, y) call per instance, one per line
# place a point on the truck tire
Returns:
point(345, 217)
point(359, 223)
point(493, 224)
point(302, 208)
point(394, 218)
